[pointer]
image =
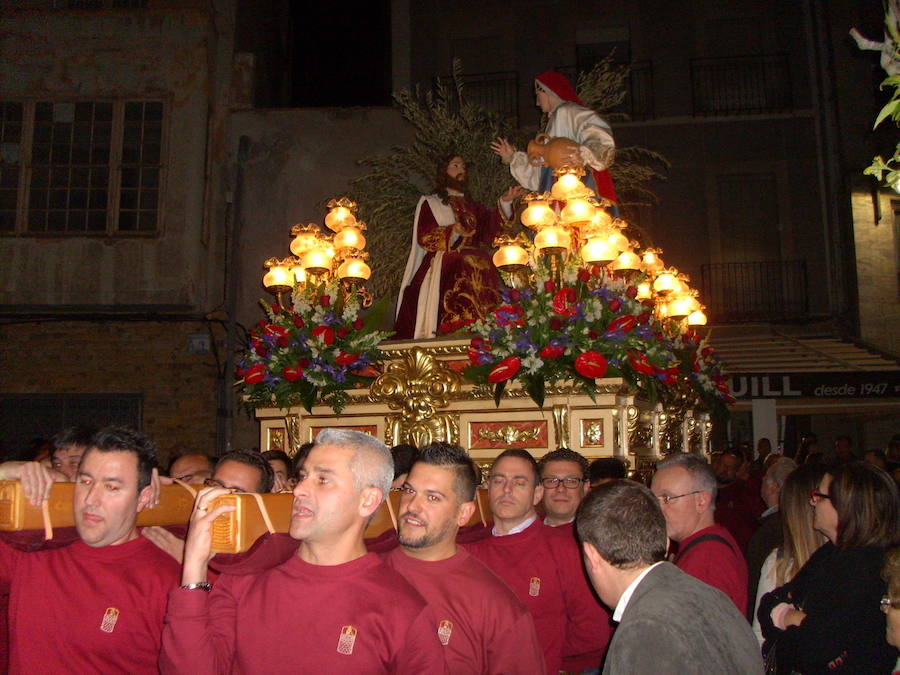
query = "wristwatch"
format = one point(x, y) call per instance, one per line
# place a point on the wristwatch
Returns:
point(200, 586)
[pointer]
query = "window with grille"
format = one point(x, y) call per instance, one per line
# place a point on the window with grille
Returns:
point(80, 167)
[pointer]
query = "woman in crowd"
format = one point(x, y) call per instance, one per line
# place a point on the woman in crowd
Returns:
point(890, 603)
point(827, 618)
point(800, 540)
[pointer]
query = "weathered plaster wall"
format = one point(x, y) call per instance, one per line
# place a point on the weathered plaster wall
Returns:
point(876, 267)
point(115, 54)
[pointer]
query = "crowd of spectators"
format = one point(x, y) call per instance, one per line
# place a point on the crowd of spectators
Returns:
point(752, 560)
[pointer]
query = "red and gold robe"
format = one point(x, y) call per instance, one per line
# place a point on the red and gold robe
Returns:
point(449, 276)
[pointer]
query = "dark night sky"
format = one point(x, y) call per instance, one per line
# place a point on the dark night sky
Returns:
point(342, 53)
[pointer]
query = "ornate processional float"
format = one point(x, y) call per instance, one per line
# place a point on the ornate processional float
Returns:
point(597, 345)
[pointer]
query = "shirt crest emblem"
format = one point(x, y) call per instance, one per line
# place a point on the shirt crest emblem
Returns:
point(346, 640)
point(110, 617)
point(445, 627)
point(534, 587)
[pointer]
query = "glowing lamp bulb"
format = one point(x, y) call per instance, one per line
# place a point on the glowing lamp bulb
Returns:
point(339, 217)
point(644, 291)
point(627, 261)
point(299, 274)
point(538, 214)
point(679, 307)
point(597, 252)
point(652, 262)
point(553, 240)
point(303, 242)
point(510, 258)
point(664, 283)
point(568, 186)
point(349, 237)
point(578, 211)
point(316, 261)
point(354, 269)
point(697, 318)
point(619, 241)
point(278, 279)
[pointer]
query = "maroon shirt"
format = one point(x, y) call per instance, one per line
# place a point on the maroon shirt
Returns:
point(358, 617)
point(717, 564)
point(80, 609)
point(483, 626)
point(542, 565)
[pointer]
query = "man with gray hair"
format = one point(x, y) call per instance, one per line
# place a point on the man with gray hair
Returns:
point(346, 610)
point(768, 535)
point(685, 486)
point(668, 621)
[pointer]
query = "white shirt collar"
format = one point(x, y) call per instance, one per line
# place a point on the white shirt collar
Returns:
point(558, 524)
point(521, 527)
point(771, 509)
point(626, 596)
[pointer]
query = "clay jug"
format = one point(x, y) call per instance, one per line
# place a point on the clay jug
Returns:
point(551, 151)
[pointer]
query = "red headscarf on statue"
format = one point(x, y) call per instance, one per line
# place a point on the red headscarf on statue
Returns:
point(561, 86)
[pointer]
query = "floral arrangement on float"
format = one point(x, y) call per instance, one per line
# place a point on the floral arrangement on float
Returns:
point(582, 302)
point(317, 345)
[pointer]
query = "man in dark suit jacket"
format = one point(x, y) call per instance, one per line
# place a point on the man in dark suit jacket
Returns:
point(668, 621)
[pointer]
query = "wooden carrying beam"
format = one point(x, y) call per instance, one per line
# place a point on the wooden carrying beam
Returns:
point(17, 513)
point(233, 532)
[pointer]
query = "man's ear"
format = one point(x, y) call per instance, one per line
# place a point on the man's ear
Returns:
point(538, 495)
point(369, 500)
point(703, 500)
point(591, 557)
point(145, 499)
point(466, 509)
point(585, 487)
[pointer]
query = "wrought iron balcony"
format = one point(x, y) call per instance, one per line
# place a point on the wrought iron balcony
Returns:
point(497, 92)
point(744, 292)
point(744, 85)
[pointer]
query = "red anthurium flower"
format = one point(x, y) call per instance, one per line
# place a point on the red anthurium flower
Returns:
point(552, 352)
point(706, 352)
point(640, 363)
point(477, 342)
point(473, 355)
point(623, 323)
point(358, 324)
point(631, 292)
point(261, 349)
point(342, 332)
point(298, 321)
point(239, 372)
point(564, 302)
point(276, 309)
point(292, 373)
point(255, 374)
point(615, 305)
point(325, 301)
point(549, 286)
point(722, 386)
point(590, 364)
point(324, 333)
point(515, 295)
point(597, 270)
point(343, 359)
point(584, 275)
point(643, 318)
point(504, 370)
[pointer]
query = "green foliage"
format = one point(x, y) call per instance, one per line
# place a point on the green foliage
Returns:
point(888, 172)
point(445, 123)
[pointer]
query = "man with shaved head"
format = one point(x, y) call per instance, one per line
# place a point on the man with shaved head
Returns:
point(346, 609)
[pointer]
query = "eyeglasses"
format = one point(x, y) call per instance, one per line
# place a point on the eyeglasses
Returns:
point(667, 499)
point(815, 496)
point(551, 482)
point(888, 604)
point(212, 482)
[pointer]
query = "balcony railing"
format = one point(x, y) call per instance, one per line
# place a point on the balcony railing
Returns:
point(638, 103)
point(745, 85)
point(497, 92)
point(755, 291)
